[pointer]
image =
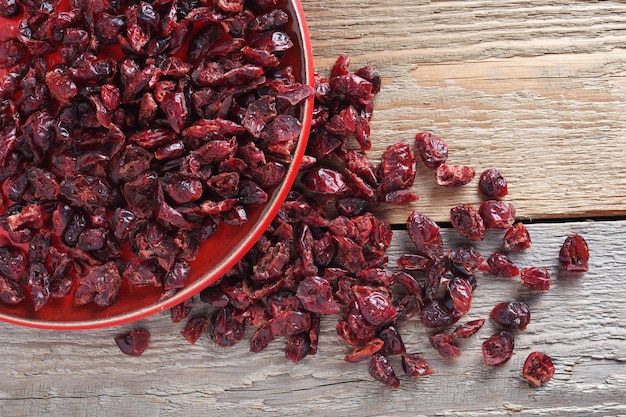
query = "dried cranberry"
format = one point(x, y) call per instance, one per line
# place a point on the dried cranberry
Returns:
point(195, 327)
point(316, 296)
point(392, 341)
point(415, 366)
point(574, 254)
point(298, 346)
point(501, 266)
point(432, 149)
point(364, 352)
point(134, 342)
point(498, 348)
point(424, 233)
point(536, 278)
point(377, 308)
point(517, 238)
point(538, 368)
point(468, 260)
point(381, 370)
point(492, 184)
point(513, 315)
point(454, 175)
point(444, 345)
point(497, 214)
point(466, 220)
point(467, 329)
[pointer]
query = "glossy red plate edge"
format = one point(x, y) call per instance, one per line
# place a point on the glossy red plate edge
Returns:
point(265, 218)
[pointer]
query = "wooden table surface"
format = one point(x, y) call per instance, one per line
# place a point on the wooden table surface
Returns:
point(536, 89)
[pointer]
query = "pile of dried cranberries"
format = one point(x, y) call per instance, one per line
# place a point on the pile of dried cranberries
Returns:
point(129, 130)
point(325, 252)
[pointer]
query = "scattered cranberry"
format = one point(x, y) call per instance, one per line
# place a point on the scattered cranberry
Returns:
point(538, 368)
point(536, 278)
point(517, 238)
point(498, 348)
point(574, 254)
point(468, 329)
point(497, 214)
point(432, 149)
point(134, 342)
point(415, 366)
point(444, 345)
point(195, 327)
point(381, 370)
point(466, 220)
point(513, 315)
point(501, 266)
point(492, 184)
point(454, 175)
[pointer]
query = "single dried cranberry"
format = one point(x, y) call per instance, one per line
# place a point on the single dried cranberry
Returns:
point(195, 327)
point(444, 345)
point(289, 323)
point(513, 315)
point(12, 51)
point(538, 368)
point(226, 330)
point(377, 308)
point(364, 352)
point(536, 278)
point(432, 149)
point(134, 342)
point(501, 266)
point(325, 181)
point(181, 311)
point(492, 184)
point(468, 329)
point(393, 344)
point(316, 295)
point(498, 348)
point(468, 260)
point(517, 238)
point(424, 233)
point(497, 214)
point(454, 175)
point(466, 220)
point(381, 370)
point(298, 347)
point(574, 254)
point(415, 366)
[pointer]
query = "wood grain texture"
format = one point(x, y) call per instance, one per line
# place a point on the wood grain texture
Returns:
point(579, 322)
point(535, 89)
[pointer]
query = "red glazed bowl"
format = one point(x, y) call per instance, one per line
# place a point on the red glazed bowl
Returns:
point(216, 255)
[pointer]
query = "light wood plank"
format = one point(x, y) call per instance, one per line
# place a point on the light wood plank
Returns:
point(535, 89)
point(579, 322)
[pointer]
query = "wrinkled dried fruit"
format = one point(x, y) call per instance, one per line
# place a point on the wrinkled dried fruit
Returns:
point(415, 366)
point(466, 220)
point(501, 266)
point(468, 329)
point(133, 343)
point(513, 315)
point(536, 278)
point(492, 184)
point(454, 175)
point(538, 368)
point(517, 238)
point(444, 345)
point(195, 327)
point(498, 348)
point(574, 254)
point(497, 214)
point(382, 371)
point(432, 149)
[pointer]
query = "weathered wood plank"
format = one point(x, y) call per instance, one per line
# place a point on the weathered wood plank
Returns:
point(535, 89)
point(579, 322)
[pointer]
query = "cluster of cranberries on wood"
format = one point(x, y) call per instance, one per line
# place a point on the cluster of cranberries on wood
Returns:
point(129, 132)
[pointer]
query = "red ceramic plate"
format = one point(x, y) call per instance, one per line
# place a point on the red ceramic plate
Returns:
point(216, 255)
